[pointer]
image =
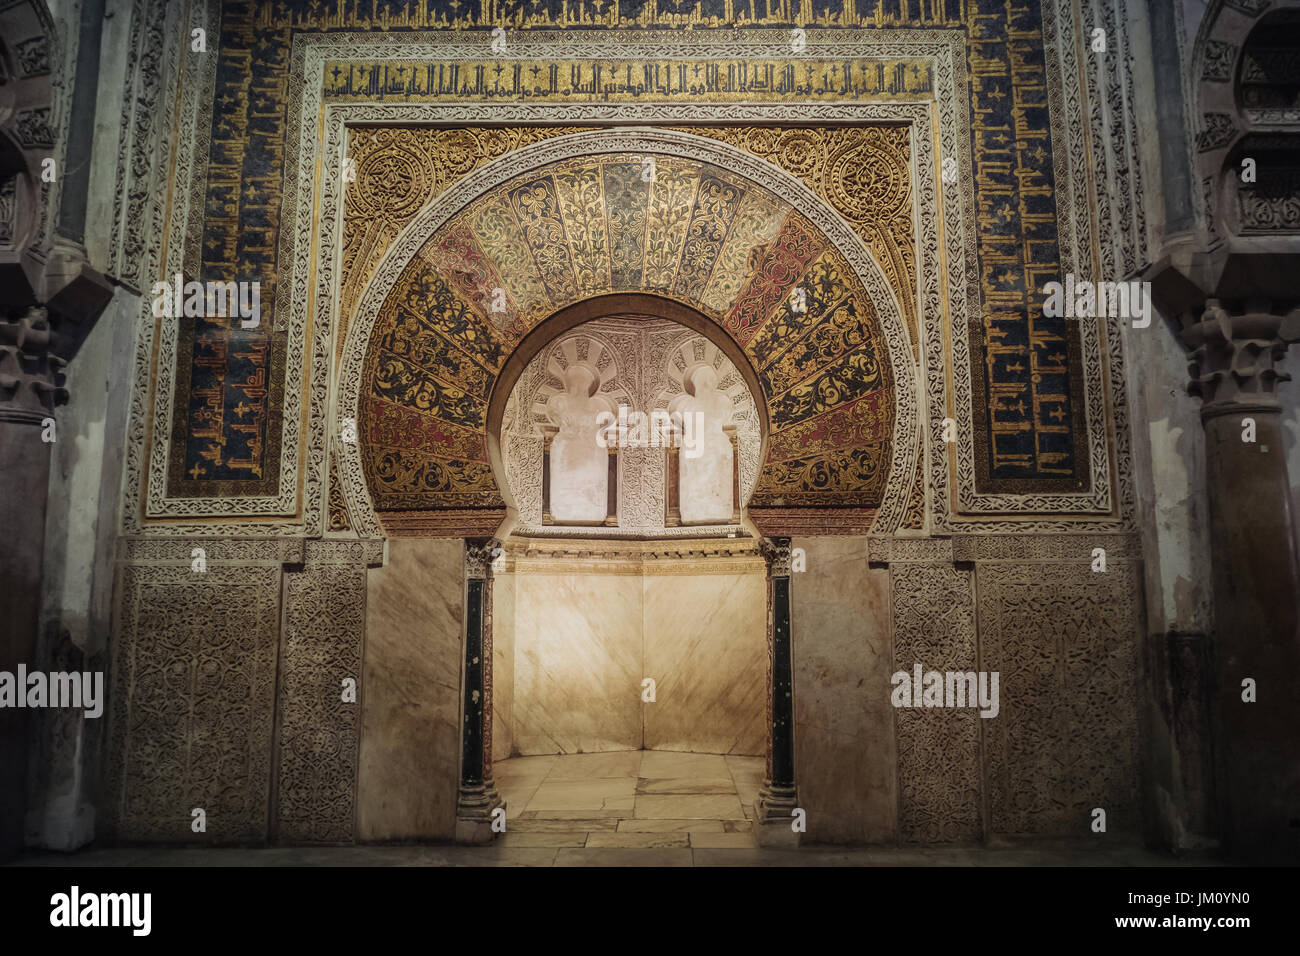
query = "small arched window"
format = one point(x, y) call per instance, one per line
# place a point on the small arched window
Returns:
point(1268, 81)
point(1260, 193)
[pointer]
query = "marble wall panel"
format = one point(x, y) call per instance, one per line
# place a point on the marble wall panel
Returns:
point(503, 665)
point(583, 642)
point(845, 753)
point(410, 738)
point(706, 649)
point(578, 663)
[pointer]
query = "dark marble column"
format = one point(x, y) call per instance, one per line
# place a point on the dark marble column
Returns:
point(1256, 574)
point(31, 385)
point(477, 797)
point(779, 797)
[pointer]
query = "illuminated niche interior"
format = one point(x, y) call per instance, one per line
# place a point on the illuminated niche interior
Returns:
point(630, 425)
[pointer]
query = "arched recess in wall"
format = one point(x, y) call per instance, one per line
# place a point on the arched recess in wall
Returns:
point(28, 49)
point(647, 312)
point(1246, 83)
point(772, 271)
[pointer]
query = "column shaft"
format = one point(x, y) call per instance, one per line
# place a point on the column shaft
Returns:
point(1234, 364)
point(777, 801)
point(31, 385)
point(477, 798)
point(1256, 592)
point(25, 466)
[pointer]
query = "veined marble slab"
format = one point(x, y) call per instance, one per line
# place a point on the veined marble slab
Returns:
point(845, 757)
point(410, 723)
point(585, 642)
point(578, 664)
point(706, 648)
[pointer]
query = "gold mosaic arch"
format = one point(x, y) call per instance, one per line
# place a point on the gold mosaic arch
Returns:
point(692, 222)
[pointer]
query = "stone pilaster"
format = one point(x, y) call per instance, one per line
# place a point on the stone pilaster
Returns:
point(773, 811)
point(1233, 361)
point(477, 797)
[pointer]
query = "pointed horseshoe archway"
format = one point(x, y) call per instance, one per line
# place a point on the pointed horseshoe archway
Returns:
point(627, 221)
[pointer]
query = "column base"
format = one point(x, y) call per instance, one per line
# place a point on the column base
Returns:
point(67, 824)
point(774, 818)
point(474, 809)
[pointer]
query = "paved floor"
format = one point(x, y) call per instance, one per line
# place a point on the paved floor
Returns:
point(501, 855)
point(638, 799)
point(629, 808)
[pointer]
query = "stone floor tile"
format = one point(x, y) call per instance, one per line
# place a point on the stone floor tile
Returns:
point(622, 856)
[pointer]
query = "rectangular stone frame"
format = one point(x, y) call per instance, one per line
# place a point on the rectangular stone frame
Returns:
point(301, 505)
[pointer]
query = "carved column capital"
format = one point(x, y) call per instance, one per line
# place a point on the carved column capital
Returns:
point(1234, 355)
point(31, 374)
point(478, 558)
point(777, 553)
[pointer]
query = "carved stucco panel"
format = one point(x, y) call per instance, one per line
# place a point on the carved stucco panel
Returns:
point(193, 703)
point(1064, 639)
point(325, 615)
point(938, 748)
